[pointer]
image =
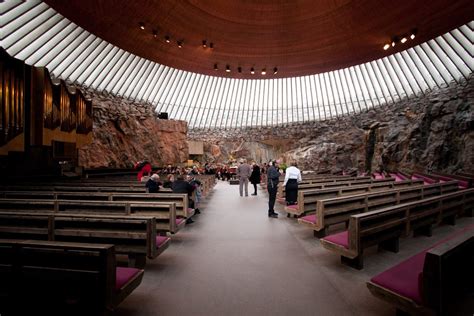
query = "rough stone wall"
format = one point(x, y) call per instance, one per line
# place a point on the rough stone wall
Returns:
point(126, 131)
point(434, 131)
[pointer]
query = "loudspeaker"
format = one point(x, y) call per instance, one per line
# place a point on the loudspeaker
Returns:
point(163, 115)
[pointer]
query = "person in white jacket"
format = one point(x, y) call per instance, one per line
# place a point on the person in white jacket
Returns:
point(292, 178)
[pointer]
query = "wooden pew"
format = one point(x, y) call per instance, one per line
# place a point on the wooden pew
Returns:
point(307, 198)
point(384, 227)
point(134, 236)
point(436, 281)
point(165, 213)
point(338, 210)
point(180, 199)
point(61, 278)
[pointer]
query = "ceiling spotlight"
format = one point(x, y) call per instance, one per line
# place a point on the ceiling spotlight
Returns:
point(413, 34)
point(275, 70)
point(215, 67)
point(264, 71)
point(180, 44)
point(239, 69)
point(167, 39)
point(386, 46)
point(204, 43)
point(227, 68)
point(155, 33)
point(393, 43)
point(142, 25)
point(211, 45)
point(404, 39)
point(252, 70)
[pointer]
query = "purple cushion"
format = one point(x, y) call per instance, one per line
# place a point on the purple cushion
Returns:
point(339, 239)
point(404, 277)
point(123, 275)
point(179, 220)
point(160, 240)
point(294, 206)
point(309, 218)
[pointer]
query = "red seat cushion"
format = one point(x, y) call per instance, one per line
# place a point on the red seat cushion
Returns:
point(309, 218)
point(294, 206)
point(160, 240)
point(124, 275)
point(179, 221)
point(339, 239)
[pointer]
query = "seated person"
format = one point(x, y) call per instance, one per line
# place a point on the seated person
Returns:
point(153, 184)
point(169, 181)
point(182, 186)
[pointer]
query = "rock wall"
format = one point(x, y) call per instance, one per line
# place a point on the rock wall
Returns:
point(432, 131)
point(127, 131)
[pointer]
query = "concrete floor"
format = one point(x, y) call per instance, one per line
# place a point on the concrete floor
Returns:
point(234, 260)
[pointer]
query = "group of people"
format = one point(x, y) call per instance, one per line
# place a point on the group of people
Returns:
point(253, 173)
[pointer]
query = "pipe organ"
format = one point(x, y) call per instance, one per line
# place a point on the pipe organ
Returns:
point(36, 111)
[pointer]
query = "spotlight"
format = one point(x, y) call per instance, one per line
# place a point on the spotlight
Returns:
point(386, 46)
point(275, 70)
point(211, 45)
point(252, 70)
point(413, 34)
point(180, 44)
point(404, 39)
point(155, 33)
point(142, 25)
point(239, 69)
point(264, 71)
point(167, 39)
point(227, 68)
point(204, 43)
point(215, 67)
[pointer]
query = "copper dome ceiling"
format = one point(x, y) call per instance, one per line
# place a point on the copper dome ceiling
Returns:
point(299, 37)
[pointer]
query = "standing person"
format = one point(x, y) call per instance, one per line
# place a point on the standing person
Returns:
point(255, 177)
point(144, 168)
point(243, 172)
point(292, 178)
point(273, 177)
point(153, 184)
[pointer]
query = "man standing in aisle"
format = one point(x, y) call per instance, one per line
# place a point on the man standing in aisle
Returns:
point(273, 177)
point(243, 172)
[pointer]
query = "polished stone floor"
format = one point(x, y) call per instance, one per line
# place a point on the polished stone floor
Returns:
point(234, 260)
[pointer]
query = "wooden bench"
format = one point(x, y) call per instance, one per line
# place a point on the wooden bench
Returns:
point(60, 278)
point(180, 199)
point(338, 210)
point(165, 213)
point(307, 198)
point(463, 182)
point(436, 281)
point(134, 236)
point(384, 227)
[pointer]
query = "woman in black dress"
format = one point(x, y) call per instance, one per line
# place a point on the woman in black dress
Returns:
point(255, 177)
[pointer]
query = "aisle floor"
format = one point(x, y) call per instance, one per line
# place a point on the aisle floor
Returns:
point(234, 260)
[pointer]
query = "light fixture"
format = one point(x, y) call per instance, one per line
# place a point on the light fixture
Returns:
point(239, 69)
point(275, 70)
point(252, 70)
point(211, 45)
point(413, 34)
point(227, 68)
point(386, 46)
point(404, 39)
point(215, 67)
point(142, 25)
point(167, 39)
point(264, 71)
point(204, 43)
point(155, 33)
point(180, 44)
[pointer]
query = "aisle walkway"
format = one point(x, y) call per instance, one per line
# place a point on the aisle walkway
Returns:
point(234, 260)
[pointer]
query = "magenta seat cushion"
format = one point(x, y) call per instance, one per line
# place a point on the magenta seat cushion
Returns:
point(404, 278)
point(309, 218)
point(294, 206)
point(123, 275)
point(339, 239)
point(179, 221)
point(160, 240)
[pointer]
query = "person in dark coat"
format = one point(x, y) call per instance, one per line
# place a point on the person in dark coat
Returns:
point(182, 186)
point(273, 177)
point(153, 184)
point(255, 177)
